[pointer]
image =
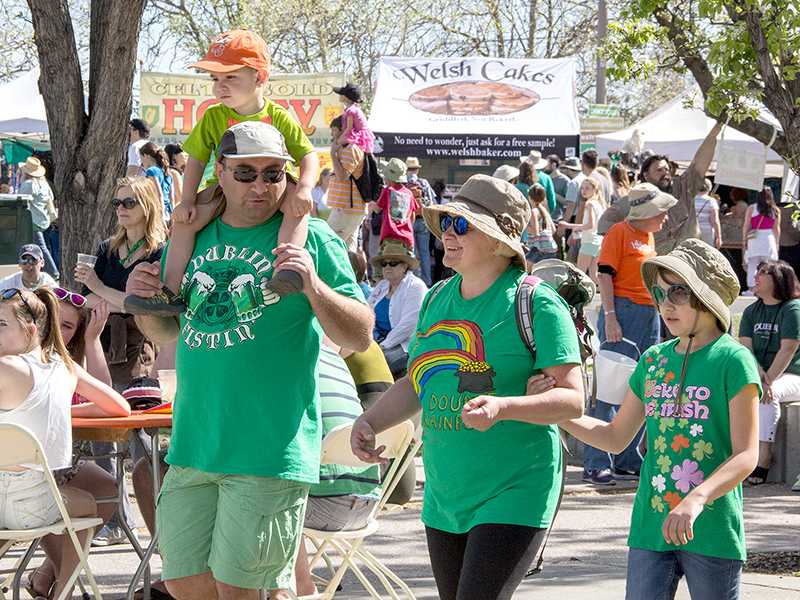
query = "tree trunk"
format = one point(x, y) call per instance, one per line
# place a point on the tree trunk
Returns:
point(89, 149)
point(533, 14)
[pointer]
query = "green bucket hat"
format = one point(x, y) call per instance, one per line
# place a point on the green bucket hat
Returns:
point(395, 171)
point(705, 270)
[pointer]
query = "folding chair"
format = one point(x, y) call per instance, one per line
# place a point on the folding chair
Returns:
point(18, 445)
point(348, 544)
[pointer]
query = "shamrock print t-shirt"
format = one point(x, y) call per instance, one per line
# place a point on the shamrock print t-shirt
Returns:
point(685, 446)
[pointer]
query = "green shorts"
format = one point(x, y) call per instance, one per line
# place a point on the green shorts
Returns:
point(245, 530)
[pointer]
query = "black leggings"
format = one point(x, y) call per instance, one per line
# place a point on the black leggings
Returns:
point(487, 563)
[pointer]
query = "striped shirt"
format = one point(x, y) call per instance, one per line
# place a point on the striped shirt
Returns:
point(340, 405)
point(342, 192)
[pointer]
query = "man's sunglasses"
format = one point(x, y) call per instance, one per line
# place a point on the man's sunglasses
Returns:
point(76, 300)
point(11, 292)
point(391, 263)
point(126, 203)
point(678, 294)
point(249, 175)
point(460, 224)
point(28, 260)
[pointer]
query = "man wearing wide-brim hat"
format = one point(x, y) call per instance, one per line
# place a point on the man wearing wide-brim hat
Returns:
point(41, 205)
point(628, 321)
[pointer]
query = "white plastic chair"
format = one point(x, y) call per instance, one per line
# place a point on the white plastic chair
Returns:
point(18, 445)
point(400, 446)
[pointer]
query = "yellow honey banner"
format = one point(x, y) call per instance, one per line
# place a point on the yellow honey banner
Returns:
point(171, 104)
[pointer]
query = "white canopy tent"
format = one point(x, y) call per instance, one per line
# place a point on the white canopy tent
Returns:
point(678, 131)
point(22, 107)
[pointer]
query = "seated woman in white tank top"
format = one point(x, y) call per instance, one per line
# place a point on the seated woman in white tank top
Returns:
point(37, 380)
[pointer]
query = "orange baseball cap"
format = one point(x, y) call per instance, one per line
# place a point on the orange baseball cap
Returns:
point(233, 50)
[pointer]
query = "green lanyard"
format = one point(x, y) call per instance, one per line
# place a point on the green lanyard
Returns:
point(131, 252)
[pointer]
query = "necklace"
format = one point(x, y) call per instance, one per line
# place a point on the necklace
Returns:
point(131, 251)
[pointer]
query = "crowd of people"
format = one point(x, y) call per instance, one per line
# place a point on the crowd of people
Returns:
point(401, 306)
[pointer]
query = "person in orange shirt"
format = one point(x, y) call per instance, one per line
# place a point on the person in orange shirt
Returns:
point(628, 317)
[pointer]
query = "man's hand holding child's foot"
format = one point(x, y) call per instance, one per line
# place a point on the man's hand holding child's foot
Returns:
point(184, 213)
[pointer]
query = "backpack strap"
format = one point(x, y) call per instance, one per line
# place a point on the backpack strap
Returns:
point(523, 305)
point(524, 315)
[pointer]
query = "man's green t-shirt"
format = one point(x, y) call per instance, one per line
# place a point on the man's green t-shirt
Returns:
point(683, 450)
point(247, 401)
point(339, 405)
point(511, 473)
point(767, 325)
point(207, 133)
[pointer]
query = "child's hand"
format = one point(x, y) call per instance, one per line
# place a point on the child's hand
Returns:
point(678, 527)
point(184, 213)
point(97, 322)
point(538, 384)
point(299, 203)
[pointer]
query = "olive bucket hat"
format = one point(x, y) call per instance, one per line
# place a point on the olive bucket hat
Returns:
point(492, 206)
point(705, 270)
point(647, 201)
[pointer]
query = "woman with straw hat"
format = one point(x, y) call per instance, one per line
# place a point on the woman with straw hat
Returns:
point(467, 371)
point(698, 396)
point(43, 210)
point(396, 301)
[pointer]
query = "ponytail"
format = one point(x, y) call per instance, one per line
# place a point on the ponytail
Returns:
point(50, 337)
point(158, 155)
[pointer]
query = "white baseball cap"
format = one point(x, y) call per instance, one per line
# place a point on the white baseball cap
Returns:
point(253, 139)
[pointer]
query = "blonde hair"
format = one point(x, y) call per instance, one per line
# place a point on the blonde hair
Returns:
point(40, 308)
point(144, 190)
point(598, 193)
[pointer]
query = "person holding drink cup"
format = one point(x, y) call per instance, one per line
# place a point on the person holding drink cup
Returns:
point(139, 237)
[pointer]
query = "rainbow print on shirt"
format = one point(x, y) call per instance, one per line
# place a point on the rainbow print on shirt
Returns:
point(467, 359)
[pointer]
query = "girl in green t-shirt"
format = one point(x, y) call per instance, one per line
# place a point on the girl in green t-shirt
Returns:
point(698, 396)
point(492, 453)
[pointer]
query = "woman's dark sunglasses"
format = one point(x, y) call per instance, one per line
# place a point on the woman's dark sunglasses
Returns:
point(76, 300)
point(460, 224)
point(249, 175)
point(11, 292)
point(678, 294)
point(127, 203)
point(390, 263)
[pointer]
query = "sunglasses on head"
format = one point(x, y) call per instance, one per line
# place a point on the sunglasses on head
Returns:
point(460, 224)
point(678, 294)
point(249, 175)
point(391, 263)
point(11, 292)
point(76, 300)
point(127, 203)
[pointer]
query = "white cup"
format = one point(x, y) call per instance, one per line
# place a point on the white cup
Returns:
point(87, 259)
point(169, 384)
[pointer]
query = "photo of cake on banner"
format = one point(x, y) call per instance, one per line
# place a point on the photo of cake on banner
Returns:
point(473, 98)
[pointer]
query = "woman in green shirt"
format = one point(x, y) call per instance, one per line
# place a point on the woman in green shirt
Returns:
point(492, 453)
point(687, 516)
point(770, 327)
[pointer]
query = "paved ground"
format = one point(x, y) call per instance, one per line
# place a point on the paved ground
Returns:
point(585, 557)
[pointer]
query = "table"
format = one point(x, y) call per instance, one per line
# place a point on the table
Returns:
point(118, 429)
